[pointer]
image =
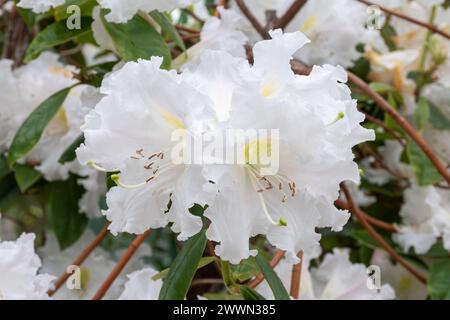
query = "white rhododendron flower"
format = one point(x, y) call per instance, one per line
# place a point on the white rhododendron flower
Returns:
point(122, 11)
point(405, 285)
point(425, 218)
point(135, 140)
point(140, 286)
point(336, 278)
point(19, 266)
point(40, 6)
point(360, 197)
point(92, 272)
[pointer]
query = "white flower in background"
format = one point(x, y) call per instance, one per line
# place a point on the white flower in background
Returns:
point(425, 218)
point(336, 278)
point(130, 131)
point(122, 11)
point(405, 285)
point(19, 265)
point(93, 271)
point(335, 28)
point(223, 34)
point(140, 286)
point(40, 6)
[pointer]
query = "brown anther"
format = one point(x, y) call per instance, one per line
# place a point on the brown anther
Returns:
point(139, 152)
point(150, 179)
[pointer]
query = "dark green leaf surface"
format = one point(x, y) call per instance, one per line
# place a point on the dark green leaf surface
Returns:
point(183, 269)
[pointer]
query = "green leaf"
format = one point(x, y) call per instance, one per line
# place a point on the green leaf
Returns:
point(182, 270)
point(204, 261)
point(137, 39)
point(56, 34)
point(168, 28)
point(422, 113)
point(250, 294)
point(69, 154)
point(437, 119)
point(32, 128)
point(423, 168)
point(388, 33)
point(25, 176)
point(222, 296)
point(278, 289)
point(61, 208)
point(86, 7)
point(439, 280)
point(28, 16)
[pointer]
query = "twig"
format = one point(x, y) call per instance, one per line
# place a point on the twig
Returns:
point(385, 127)
point(408, 18)
point(296, 277)
point(290, 14)
point(81, 258)
point(377, 237)
point(260, 277)
point(120, 265)
point(252, 19)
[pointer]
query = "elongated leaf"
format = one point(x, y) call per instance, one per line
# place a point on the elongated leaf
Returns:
point(204, 261)
point(56, 34)
point(278, 289)
point(182, 270)
point(439, 280)
point(423, 168)
point(381, 87)
point(69, 154)
point(137, 39)
point(61, 208)
point(25, 176)
point(250, 294)
point(32, 128)
point(168, 28)
point(438, 119)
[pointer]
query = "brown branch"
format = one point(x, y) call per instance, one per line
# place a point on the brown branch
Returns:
point(260, 277)
point(120, 265)
point(290, 14)
point(81, 258)
point(408, 18)
point(374, 221)
point(361, 217)
point(296, 277)
point(252, 19)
